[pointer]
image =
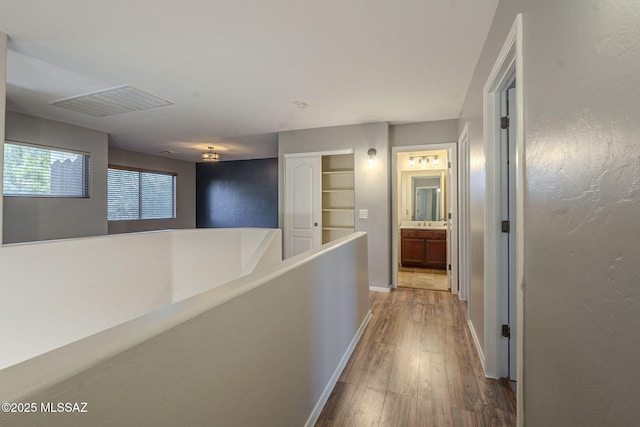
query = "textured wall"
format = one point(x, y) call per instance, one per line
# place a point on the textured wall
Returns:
point(582, 286)
point(582, 204)
point(241, 193)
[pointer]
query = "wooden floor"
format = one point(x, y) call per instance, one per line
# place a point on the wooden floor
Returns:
point(423, 278)
point(416, 365)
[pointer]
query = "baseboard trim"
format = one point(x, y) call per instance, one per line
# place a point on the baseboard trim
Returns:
point(476, 342)
point(379, 289)
point(315, 414)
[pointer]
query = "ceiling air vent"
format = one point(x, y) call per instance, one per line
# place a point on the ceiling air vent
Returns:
point(116, 100)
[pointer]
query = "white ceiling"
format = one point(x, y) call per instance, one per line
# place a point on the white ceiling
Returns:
point(234, 68)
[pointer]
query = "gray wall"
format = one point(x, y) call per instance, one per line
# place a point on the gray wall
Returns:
point(582, 207)
point(185, 191)
point(472, 113)
point(582, 199)
point(39, 218)
point(371, 183)
point(3, 106)
point(438, 132)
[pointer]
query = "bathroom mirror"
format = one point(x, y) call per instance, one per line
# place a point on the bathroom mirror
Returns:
point(423, 196)
point(426, 198)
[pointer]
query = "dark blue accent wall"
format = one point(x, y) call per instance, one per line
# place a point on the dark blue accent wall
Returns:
point(242, 193)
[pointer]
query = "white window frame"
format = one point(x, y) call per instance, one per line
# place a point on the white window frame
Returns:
point(86, 172)
point(140, 171)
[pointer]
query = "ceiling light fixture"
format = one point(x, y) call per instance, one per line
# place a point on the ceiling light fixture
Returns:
point(423, 161)
point(210, 156)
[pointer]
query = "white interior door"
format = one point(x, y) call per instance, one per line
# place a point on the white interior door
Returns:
point(303, 201)
point(507, 213)
point(511, 108)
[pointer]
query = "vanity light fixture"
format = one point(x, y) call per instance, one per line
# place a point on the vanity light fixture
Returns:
point(412, 162)
point(372, 156)
point(436, 160)
point(210, 156)
point(424, 161)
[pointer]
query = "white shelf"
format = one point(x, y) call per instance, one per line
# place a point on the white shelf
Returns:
point(338, 190)
point(335, 172)
point(338, 211)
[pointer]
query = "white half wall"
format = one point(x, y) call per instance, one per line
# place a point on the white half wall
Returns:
point(262, 350)
point(206, 258)
point(54, 293)
point(57, 292)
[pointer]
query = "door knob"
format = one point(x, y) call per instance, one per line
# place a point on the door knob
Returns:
point(315, 224)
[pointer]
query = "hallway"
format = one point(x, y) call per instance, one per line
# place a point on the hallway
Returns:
point(416, 365)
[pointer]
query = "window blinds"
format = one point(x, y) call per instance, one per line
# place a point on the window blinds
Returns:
point(140, 195)
point(35, 171)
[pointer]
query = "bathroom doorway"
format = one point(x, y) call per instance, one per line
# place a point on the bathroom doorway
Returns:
point(424, 200)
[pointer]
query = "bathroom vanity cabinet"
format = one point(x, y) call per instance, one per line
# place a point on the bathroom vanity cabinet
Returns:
point(424, 248)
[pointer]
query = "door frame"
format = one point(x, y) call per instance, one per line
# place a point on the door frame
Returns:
point(508, 63)
point(395, 230)
point(284, 182)
point(463, 213)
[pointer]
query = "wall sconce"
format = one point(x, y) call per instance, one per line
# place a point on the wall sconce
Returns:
point(210, 156)
point(372, 156)
point(412, 162)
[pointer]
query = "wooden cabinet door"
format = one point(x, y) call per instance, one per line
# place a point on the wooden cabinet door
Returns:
point(436, 254)
point(412, 251)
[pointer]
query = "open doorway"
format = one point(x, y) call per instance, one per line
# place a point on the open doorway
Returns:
point(504, 209)
point(424, 198)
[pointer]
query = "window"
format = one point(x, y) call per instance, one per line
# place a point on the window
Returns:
point(139, 194)
point(36, 171)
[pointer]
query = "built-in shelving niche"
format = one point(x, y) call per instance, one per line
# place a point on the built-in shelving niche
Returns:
point(338, 196)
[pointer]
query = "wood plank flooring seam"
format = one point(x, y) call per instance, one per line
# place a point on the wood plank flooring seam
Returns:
point(416, 365)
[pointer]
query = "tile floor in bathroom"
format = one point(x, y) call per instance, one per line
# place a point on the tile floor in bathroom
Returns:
point(423, 278)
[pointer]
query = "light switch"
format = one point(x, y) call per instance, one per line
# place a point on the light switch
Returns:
point(364, 213)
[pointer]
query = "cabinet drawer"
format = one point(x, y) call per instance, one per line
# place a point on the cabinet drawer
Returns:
point(408, 233)
point(440, 234)
point(426, 234)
